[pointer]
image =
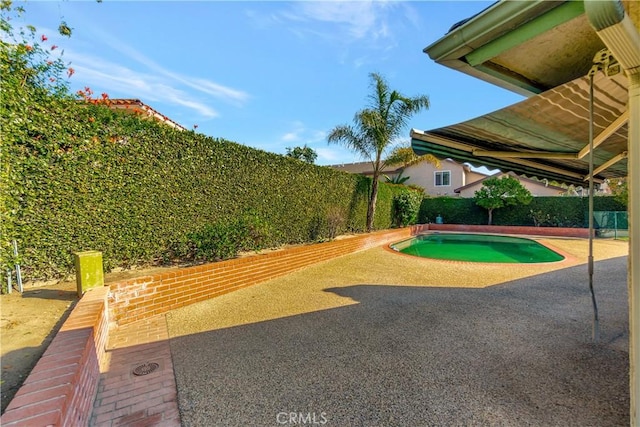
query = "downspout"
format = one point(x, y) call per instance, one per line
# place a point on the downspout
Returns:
point(620, 36)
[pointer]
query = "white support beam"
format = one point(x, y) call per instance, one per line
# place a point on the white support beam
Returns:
point(608, 163)
point(606, 133)
point(633, 274)
point(526, 154)
point(445, 142)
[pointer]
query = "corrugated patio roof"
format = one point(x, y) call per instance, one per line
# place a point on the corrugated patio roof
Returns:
point(551, 128)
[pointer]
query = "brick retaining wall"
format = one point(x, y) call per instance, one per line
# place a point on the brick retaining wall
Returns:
point(139, 298)
point(61, 388)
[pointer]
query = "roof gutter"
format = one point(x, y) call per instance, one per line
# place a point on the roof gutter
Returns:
point(618, 32)
point(486, 26)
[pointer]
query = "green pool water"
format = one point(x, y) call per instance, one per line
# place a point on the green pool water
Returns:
point(477, 248)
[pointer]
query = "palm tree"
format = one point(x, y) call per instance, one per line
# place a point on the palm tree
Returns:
point(376, 127)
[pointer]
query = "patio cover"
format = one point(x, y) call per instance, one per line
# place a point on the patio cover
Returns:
point(545, 136)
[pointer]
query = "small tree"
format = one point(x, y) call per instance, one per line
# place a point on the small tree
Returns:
point(306, 154)
point(500, 192)
point(619, 189)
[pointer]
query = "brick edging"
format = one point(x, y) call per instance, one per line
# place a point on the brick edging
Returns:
point(136, 299)
point(62, 386)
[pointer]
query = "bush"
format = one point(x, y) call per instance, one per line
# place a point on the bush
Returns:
point(222, 240)
point(546, 211)
point(406, 206)
point(135, 190)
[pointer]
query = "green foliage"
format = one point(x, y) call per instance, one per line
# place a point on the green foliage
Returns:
point(397, 179)
point(222, 240)
point(141, 192)
point(404, 155)
point(406, 206)
point(306, 154)
point(619, 189)
point(374, 129)
point(453, 211)
point(500, 192)
point(32, 81)
point(549, 211)
point(77, 176)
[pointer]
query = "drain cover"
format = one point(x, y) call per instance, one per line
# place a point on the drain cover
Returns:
point(145, 369)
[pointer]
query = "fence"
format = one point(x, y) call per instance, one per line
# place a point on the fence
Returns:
point(611, 223)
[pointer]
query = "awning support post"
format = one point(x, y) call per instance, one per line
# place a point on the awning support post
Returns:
point(596, 327)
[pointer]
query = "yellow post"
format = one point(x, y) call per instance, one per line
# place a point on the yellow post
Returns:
point(89, 272)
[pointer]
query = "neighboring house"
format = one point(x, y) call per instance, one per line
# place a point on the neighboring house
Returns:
point(436, 181)
point(536, 188)
point(135, 106)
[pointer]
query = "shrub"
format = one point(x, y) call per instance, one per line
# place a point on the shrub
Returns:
point(549, 211)
point(406, 206)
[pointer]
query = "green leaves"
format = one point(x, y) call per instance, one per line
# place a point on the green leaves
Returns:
point(144, 193)
point(306, 154)
point(64, 29)
point(406, 206)
point(376, 127)
point(76, 176)
point(500, 192)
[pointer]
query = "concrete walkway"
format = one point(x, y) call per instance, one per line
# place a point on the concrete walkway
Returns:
point(377, 338)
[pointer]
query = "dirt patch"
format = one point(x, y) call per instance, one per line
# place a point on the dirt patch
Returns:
point(29, 322)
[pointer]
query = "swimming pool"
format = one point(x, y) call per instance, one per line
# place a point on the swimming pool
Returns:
point(477, 248)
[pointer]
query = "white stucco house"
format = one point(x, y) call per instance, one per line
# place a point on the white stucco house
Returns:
point(450, 178)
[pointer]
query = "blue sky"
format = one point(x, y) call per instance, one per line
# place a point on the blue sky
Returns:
point(266, 74)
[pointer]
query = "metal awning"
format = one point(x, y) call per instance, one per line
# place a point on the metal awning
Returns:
point(545, 136)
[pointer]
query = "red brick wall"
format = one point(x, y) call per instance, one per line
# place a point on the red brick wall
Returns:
point(139, 298)
point(541, 231)
point(60, 390)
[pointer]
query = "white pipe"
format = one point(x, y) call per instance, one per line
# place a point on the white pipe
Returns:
point(595, 333)
point(633, 183)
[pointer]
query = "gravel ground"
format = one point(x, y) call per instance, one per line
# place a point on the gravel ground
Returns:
point(380, 339)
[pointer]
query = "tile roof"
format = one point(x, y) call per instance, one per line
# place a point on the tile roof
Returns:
point(136, 106)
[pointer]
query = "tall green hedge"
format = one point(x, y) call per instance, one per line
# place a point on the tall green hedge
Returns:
point(86, 177)
point(555, 211)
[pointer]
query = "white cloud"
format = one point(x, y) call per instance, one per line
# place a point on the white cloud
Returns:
point(361, 31)
point(154, 82)
point(300, 134)
point(328, 155)
point(290, 137)
point(115, 78)
point(358, 19)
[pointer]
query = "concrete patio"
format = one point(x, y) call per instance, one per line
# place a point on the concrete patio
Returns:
point(376, 338)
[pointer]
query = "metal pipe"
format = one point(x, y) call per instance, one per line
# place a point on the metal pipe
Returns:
point(17, 265)
point(596, 327)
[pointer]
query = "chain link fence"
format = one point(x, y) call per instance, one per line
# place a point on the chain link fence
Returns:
point(611, 223)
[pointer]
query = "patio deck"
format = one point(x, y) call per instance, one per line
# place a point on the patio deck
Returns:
point(374, 338)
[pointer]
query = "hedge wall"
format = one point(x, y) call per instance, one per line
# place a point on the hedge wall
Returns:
point(551, 211)
point(86, 177)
